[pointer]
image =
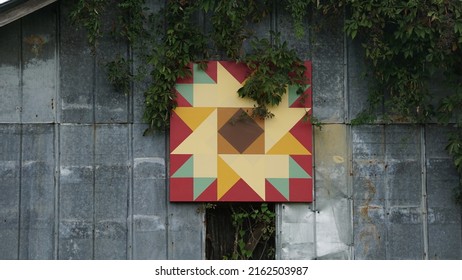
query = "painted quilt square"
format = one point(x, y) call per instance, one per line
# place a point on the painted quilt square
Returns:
point(219, 152)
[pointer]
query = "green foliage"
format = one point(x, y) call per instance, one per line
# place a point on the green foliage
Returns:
point(454, 148)
point(298, 9)
point(181, 43)
point(166, 42)
point(407, 44)
point(87, 13)
point(273, 67)
point(118, 72)
point(251, 227)
point(230, 20)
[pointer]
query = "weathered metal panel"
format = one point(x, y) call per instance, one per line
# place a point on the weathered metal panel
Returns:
point(328, 70)
point(10, 166)
point(444, 216)
point(296, 232)
point(36, 236)
point(111, 106)
point(39, 70)
point(333, 195)
point(186, 232)
point(149, 195)
point(358, 87)
point(76, 202)
point(387, 184)
point(10, 78)
point(111, 191)
point(284, 25)
point(76, 71)
point(369, 229)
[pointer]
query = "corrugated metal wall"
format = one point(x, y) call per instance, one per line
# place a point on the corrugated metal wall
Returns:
point(382, 191)
point(79, 181)
point(77, 178)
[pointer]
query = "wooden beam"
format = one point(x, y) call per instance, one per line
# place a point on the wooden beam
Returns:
point(21, 10)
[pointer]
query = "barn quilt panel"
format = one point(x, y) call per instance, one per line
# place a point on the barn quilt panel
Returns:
point(219, 153)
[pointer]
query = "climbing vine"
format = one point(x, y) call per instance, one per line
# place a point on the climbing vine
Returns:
point(252, 226)
point(409, 46)
point(167, 41)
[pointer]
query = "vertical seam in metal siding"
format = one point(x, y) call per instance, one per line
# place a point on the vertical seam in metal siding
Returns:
point(313, 163)
point(167, 196)
point(57, 135)
point(20, 134)
point(57, 184)
point(347, 117)
point(94, 160)
point(350, 191)
point(346, 96)
point(387, 190)
point(424, 190)
point(130, 194)
point(131, 184)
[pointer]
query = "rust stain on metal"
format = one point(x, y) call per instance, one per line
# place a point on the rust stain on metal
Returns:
point(369, 232)
point(35, 43)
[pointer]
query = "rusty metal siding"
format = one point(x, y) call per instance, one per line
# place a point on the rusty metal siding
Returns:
point(387, 186)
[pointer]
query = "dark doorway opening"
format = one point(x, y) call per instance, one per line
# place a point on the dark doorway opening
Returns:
point(240, 231)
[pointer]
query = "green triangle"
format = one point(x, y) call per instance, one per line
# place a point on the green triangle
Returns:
point(293, 96)
point(296, 171)
point(201, 184)
point(186, 90)
point(281, 184)
point(186, 170)
point(201, 77)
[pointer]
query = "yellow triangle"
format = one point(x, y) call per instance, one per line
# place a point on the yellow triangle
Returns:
point(203, 140)
point(288, 145)
point(194, 116)
point(229, 86)
point(284, 119)
point(251, 168)
point(227, 177)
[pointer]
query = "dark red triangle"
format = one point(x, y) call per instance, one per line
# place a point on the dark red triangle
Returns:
point(209, 194)
point(212, 71)
point(305, 162)
point(179, 131)
point(177, 161)
point(272, 194)
point(238, 70)
point(303, 132)
point(181, 189)
point(300, 190)
point(241, 192)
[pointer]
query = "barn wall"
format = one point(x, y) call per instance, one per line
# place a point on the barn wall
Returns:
point(78, 178)
point(79, 181)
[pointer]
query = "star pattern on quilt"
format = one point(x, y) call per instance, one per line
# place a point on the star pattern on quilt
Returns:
point(219, 152)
